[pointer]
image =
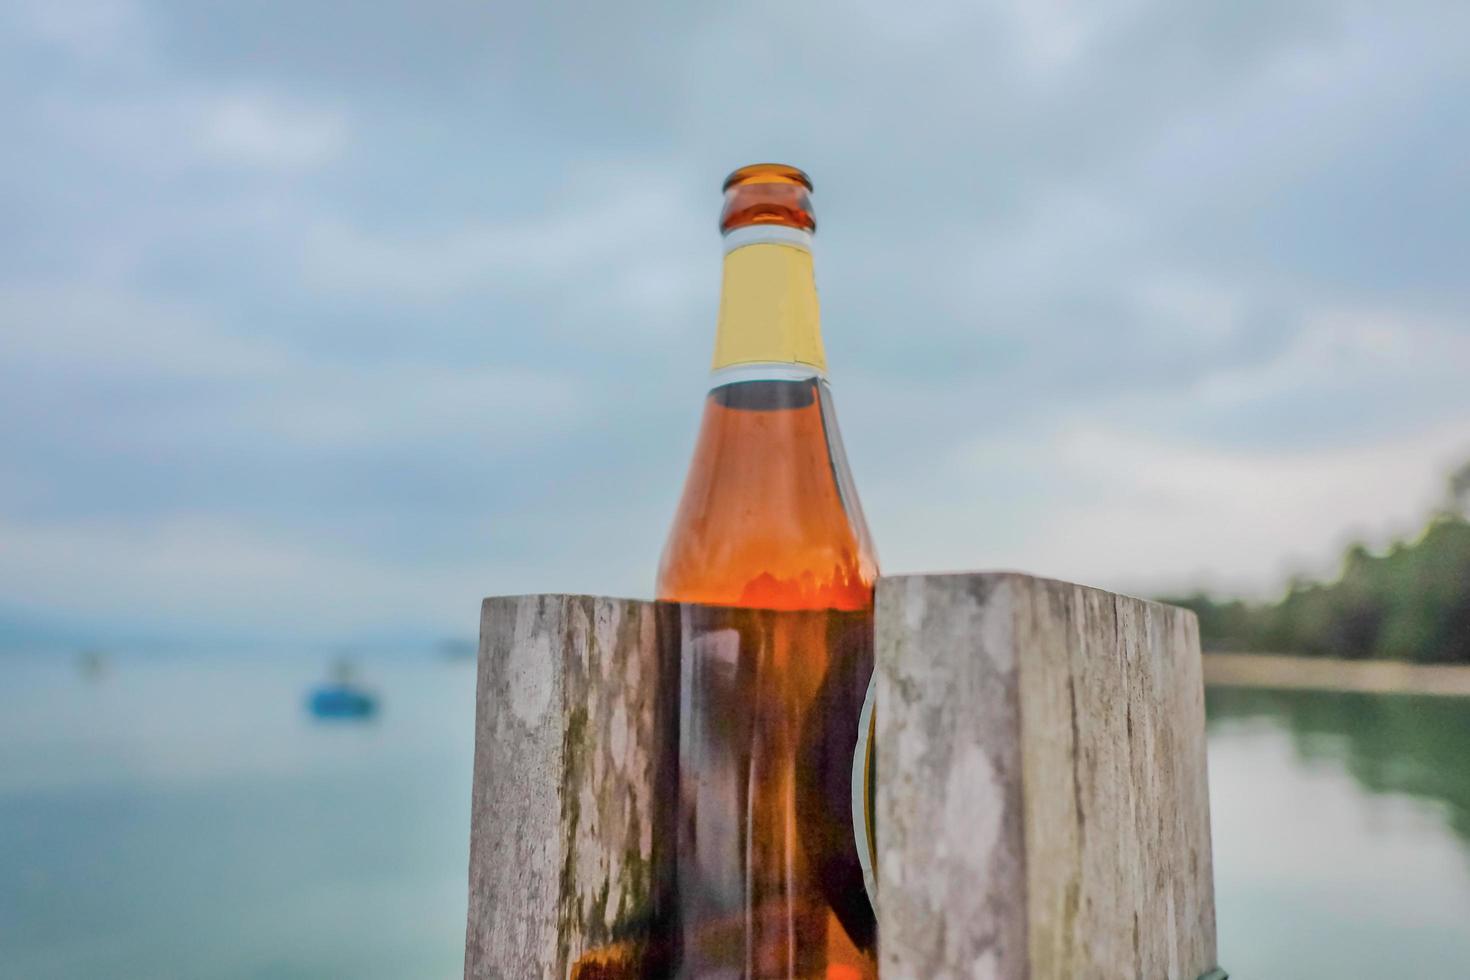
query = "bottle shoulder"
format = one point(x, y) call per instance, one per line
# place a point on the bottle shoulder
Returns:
point(768, 512)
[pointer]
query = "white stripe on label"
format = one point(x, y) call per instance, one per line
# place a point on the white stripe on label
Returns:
point(762, 234)
point(764, 371)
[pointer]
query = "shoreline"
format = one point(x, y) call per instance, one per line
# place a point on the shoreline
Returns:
point(1269, 670)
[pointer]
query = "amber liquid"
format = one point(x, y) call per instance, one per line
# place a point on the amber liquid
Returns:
point(768, 879)
point(769, 518)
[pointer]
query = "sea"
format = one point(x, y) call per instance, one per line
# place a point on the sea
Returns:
point(182, 814)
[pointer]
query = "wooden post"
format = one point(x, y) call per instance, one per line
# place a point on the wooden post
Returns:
point(575, 740)
point(1041, 801)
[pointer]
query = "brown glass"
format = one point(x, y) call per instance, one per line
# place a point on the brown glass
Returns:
point(769, 884)
point(768, 194)
point(768, 879)
point(771, 561)
point(769, 518)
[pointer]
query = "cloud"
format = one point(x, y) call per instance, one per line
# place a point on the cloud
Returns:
point(245, 577)
point(420, 300)
point(1346, 350)
point(400, 405)
point(481, 256)
point(254, 392)
point(1127, 509)
point(87, 330)
point(260, 130)
point(191, 130)
point(88, 30)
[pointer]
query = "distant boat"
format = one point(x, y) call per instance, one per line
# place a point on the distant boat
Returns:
point(92, 664)
point(341, 697)
point(341, 701)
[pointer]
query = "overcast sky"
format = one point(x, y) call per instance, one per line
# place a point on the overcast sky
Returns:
point(321, 318)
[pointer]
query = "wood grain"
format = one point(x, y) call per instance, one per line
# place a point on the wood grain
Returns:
point(1042, 806)
point(951, 868)
point(1041, 798)
point(575, 742)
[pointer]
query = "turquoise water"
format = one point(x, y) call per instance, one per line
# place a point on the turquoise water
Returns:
point(1341, 834)
point(182, 817)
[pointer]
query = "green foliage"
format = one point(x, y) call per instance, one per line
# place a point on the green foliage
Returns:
point(1411, 602)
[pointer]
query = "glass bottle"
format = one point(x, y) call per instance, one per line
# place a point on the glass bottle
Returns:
point(770, 540)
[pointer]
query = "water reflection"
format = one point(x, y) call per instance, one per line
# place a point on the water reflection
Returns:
point(1341, 828)
point(1404, 744)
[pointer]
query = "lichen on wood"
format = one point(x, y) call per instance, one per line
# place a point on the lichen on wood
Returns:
point(574, 696)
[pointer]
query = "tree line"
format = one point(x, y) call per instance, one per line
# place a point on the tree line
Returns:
point(1410, 602)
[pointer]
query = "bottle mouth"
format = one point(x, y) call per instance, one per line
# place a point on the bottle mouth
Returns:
point(767, 173)
point(768, 194)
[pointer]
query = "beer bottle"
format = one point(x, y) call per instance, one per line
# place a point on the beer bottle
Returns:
point(769, 533)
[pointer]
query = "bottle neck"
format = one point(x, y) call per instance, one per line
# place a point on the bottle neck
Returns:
point(768, 303)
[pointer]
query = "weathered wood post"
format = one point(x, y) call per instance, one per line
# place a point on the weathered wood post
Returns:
point(1041, 802)
point(575, 744)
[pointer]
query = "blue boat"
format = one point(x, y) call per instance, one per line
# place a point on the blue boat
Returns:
point(340, 697)
point(341, 701)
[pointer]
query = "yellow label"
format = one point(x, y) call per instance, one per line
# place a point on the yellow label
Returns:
point(768, 308)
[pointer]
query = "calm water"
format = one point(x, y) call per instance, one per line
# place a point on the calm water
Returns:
point(182, 817)
point(1342, 834)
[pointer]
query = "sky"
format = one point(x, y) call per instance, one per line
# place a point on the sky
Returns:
point(323, 319)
